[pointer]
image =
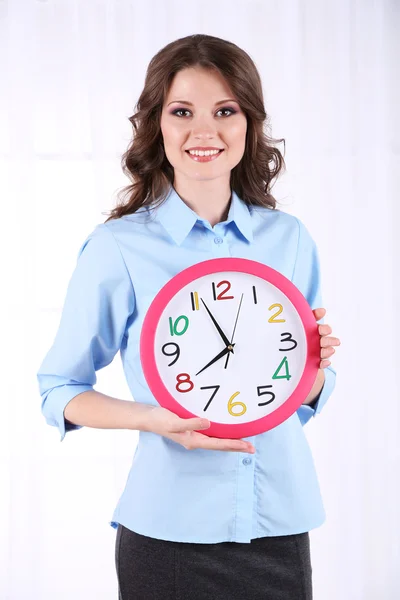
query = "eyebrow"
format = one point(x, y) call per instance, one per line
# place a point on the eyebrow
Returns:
point(190, 103)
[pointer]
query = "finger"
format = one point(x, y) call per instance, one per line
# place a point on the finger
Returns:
point(230, 445)
point(319, 313)
point(193, 440)
point(183, 425)
point(324, 329)
point(327, 352)
point(324, 363)
point(213, 443)
point(329, 341)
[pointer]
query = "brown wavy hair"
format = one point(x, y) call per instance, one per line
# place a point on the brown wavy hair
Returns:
point(145, 162)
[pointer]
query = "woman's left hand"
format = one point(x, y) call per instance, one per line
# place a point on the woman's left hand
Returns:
point(327, 342)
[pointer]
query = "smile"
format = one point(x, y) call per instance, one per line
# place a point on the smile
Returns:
point(204, 158)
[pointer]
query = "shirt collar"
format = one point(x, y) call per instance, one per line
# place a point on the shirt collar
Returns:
point(179, 219)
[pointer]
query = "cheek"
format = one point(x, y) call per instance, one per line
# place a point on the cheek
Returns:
point(170, 133)
point(168, 130)
point(235, 135)
point(238, 131)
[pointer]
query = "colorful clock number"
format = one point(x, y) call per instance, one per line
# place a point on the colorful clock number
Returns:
point(194, 297)
point(261, 393)
point(221, 295)
point(231, 404)
point(286, 376)
point(186, 379)
point(176, 352)
point(273, 318)
point(173, 326)
point(288, 339)
point(210, 387)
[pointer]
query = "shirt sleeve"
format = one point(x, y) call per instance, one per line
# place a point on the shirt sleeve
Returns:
point(98, 303)
point(307, 278)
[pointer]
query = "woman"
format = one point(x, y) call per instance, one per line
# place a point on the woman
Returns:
point(196, 519)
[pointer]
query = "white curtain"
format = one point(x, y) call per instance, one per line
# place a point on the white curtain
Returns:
point(70, 74)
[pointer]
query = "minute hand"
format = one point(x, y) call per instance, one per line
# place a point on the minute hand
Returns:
point(221, 333)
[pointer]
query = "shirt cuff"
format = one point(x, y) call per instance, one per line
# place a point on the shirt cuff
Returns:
point(55, 402)
point(306, 411)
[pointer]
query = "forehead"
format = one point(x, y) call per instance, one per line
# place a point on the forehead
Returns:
point(198, 84)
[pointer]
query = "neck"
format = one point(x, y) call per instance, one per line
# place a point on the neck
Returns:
point(210, 200)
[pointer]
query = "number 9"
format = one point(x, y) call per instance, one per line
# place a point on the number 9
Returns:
point(176, 352)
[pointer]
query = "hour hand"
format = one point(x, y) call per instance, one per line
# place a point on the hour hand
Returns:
point(220, 355)
point(221, 333)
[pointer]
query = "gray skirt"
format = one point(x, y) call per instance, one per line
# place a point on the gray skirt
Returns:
point(269, 568)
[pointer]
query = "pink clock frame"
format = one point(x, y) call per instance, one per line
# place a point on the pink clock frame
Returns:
point(244, 265)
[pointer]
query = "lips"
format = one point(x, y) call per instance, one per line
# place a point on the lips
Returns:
point(209, 158)
point(205, 149)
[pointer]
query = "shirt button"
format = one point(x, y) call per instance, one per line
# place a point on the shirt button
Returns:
point(246, 461)
point(218, 240)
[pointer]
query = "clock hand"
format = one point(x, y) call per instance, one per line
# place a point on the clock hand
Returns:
point(234, 329)
point(220, 355)
point(221, 333)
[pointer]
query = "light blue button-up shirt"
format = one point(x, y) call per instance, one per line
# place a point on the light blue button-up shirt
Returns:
point(172, 493)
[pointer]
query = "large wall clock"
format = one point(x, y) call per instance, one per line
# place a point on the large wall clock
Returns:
point(232, 340)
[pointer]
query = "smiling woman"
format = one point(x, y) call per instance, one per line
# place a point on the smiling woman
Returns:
point(196, 518)
point(208, 98)
point(211, 129)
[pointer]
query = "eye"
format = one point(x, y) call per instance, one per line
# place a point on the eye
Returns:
point(228, 109)
point(175, 112)
point(178, 110)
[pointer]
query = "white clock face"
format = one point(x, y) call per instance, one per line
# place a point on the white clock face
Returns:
point(269, 352)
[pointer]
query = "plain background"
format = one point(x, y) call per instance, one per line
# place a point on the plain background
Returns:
point(71, 73)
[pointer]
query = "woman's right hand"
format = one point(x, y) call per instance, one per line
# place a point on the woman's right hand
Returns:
point(166, 423)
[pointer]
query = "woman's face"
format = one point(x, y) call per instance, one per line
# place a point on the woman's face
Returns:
point(200, 111)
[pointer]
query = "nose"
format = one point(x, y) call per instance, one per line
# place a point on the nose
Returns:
point(204, 132)
point(203, 125)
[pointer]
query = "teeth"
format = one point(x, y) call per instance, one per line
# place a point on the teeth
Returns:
point(203, 152)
